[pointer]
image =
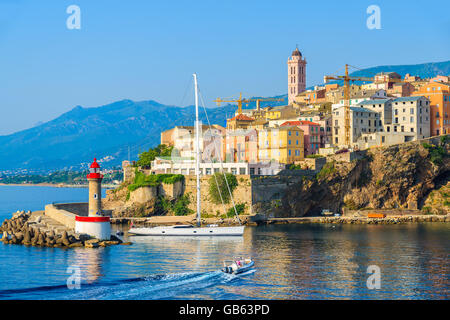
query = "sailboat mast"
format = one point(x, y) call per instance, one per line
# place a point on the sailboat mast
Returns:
point(197, 139)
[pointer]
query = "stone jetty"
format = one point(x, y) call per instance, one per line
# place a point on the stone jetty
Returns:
point(35, 229)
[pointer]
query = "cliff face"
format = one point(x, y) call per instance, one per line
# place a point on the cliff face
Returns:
point(400, 176)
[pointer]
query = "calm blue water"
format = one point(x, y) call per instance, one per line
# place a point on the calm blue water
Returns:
point(292, 262)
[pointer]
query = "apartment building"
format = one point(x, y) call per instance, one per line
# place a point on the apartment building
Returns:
point(311, 135)
point(241, 146)
point(410, 115)
point(438, 94)
point(362, 120)
point(282, 145)
point(382, 106)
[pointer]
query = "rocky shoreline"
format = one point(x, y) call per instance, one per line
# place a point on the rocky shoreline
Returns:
point(260, 220)
point(360, 220)
point(22, 229)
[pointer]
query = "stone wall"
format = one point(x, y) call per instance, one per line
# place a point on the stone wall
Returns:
point(347, 156)
point(143, 195)
point(60, 215)
point(171, 191)
point(78, 208)
point(241, 194)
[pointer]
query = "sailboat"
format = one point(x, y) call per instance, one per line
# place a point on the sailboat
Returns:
point(190, 230)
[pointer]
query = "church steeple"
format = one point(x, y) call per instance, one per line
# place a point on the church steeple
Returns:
point(296, 74)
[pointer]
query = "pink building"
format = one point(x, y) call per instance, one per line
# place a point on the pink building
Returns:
point(311, 135)
point(241, 145)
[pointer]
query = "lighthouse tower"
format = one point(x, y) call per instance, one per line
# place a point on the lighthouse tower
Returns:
point(94, 224)
point(95, 190)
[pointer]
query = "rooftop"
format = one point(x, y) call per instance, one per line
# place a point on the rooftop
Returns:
point(242, 117)
point(374, 101)
point(299, 123)
point(413, 98)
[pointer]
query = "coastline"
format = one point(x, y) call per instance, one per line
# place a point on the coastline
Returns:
point(55, 185)
point(255, 220)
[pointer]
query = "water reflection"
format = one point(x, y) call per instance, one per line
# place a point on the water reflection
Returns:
point(291, 262)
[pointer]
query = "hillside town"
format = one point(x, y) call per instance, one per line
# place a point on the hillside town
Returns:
point(350, 114)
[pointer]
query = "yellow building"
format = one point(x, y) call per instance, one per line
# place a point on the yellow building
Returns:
point(280, 112)
point(283, 145)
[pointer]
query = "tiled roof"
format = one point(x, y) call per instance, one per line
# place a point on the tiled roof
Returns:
point(242, 117)
point(299, 123)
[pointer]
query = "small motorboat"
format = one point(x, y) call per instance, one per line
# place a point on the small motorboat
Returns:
point(238, 265)
point(326, 212)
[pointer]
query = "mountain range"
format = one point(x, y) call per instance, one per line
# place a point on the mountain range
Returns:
point(112, 131)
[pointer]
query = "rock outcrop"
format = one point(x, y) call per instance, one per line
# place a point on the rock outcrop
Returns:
point(400, 176)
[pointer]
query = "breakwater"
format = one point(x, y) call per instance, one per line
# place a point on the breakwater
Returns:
point(36, 229)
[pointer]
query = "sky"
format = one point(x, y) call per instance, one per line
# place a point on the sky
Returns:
point(148, 50)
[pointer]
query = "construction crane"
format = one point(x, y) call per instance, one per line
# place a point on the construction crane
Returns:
point(240, 101)
point(347, 80)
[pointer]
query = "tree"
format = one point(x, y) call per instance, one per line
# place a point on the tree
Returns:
point(146, 157)
point(214, 191)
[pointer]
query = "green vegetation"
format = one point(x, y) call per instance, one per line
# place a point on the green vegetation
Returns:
point(179, 206)
point(66, 177)
point(327, 170)
point(142, 180)
point(437, 153)
point(426, 210)
point(146, 157)
point(240, 208)
point(215, 191)
point(295, 167)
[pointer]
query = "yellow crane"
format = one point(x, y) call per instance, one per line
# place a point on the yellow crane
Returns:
point(347, 80)
point(240, 101)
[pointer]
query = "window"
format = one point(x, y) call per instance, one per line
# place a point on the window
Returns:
point(411, 111)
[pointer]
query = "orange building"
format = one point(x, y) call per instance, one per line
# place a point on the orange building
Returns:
point(438, 94)
point(241, 121)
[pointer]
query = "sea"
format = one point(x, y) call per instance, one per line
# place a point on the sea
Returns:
point(295, 261)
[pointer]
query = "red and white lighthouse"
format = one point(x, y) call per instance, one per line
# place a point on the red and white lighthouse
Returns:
point(95, 224)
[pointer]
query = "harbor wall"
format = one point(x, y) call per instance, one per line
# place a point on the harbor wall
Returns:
point(60, 215)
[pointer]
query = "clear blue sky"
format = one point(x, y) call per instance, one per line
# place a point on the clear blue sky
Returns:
point(145, 49)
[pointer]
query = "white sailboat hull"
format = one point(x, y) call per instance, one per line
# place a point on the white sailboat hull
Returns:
point(181, 231)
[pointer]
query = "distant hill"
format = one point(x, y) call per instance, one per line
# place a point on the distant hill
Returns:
point(83, 133)
point(424, 70)
point(77, 136)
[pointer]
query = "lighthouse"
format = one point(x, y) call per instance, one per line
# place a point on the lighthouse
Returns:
point(95, 190)
point(94, 224)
